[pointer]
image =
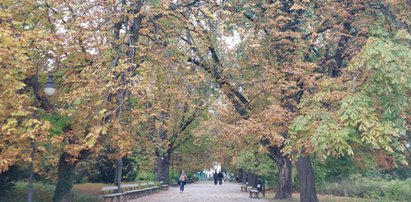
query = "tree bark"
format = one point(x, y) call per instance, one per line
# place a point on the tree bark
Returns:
point(65, 179)
point(306, 180)
point(251, 179)
point(284, 190)
point(118, 174)
point(163, 168)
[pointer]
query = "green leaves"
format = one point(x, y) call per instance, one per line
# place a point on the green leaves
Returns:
point(58, 122)
point(372, 107)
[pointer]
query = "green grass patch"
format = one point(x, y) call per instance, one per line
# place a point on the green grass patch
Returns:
point(393, 190)
point(323, 198)
point(44, 193)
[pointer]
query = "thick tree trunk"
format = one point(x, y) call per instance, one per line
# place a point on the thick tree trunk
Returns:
point(65, 179)
point(284, 190)
point(241, 176)
point(163, 168)
point(118, 174)
point(244, 178)
point(306, 180)
point(251, 179)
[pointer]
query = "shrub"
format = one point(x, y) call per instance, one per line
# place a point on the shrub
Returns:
point(399, 190)
point(9, 178)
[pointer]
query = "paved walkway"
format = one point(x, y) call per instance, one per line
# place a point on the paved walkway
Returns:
point(201, 191)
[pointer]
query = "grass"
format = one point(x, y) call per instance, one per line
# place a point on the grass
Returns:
point(377, 189)
point(323, 198)
point(360, 190)
point(88, 192)
point(89, 188)
point(44, 193)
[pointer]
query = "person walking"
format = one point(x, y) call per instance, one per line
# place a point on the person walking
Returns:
point(220, 177)
point(215, 176)
point(182, 180)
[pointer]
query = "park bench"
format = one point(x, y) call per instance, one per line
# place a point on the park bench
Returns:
point(131, 191)
point(111, 193)
point(163, 185)
point(245, 188)
point(154, 186)
point(147, 188)
point(254, 193)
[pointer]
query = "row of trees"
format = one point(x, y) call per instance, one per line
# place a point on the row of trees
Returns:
point(287, 79)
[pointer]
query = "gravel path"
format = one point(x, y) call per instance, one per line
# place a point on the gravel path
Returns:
point(201, 191)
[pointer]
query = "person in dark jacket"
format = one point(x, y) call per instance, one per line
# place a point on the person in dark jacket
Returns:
point(220, 177)
point(215, 176)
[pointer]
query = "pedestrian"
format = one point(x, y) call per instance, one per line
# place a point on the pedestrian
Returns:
point(182, 180)
point(220, 177)
point(215, 177)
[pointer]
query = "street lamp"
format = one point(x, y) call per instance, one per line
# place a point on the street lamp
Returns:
point(50, 87)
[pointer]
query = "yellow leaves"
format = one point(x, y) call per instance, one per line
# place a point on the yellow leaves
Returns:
point(123, 142)
point(102, 111)
point(297, 7)
point(21, 113)
point(91, 140)
point(10, 125)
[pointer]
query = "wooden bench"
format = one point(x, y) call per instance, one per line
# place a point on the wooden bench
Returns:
point(163, 185)
point(131, 191)
point(111, 193)
point(254, 193)
point(245, 188)
point(154, 186)
point(144, 188)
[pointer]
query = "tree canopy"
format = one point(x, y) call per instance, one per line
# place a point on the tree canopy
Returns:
point(249, 81)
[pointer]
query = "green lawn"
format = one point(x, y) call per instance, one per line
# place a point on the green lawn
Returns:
point(44, 193)
point(323, 198)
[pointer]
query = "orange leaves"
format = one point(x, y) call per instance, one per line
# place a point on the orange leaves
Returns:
point(384, 161)
point(254, 128)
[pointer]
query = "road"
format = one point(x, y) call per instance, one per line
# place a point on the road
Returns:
point(201, 191)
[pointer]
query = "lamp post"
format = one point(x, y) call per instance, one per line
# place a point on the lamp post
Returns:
point(49, 89)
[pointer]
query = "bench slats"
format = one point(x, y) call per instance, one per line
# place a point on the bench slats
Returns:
point(129, 190)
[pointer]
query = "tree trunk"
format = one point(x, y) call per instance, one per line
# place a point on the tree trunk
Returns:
point(163, 168)
point(306, 180)
point(118, 174)
point(240, 176)
point(284, 190)
point(65, 179)
point(251, 179)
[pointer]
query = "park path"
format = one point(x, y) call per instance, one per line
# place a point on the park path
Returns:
point(201, 191)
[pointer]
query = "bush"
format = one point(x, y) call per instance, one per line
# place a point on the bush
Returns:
point(370, 188)
point(102, 169)
point(9, 178)
point(146, 176)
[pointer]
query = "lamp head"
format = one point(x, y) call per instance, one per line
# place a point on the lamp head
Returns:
point(50, 87)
